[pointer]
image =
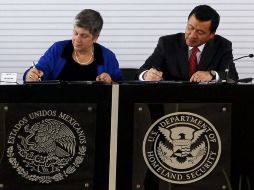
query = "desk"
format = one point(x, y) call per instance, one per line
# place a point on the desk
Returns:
point(92, 104)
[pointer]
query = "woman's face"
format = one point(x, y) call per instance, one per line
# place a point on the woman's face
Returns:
point(82, 39)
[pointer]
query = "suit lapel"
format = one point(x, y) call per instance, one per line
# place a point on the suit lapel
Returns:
point(207, 55)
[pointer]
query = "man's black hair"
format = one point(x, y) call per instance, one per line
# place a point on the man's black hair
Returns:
point(206, 13)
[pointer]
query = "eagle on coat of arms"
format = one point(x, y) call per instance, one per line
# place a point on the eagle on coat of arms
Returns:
point(183, 146)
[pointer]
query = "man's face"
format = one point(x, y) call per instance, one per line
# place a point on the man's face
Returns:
point(197, 32)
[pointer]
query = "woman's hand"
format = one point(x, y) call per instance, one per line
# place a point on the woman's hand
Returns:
point(34, 74)
point(104, 77)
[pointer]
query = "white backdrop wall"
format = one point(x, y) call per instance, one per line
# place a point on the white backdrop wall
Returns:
point(131, 28)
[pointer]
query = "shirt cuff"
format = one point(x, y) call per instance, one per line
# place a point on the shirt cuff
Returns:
point(141, 76)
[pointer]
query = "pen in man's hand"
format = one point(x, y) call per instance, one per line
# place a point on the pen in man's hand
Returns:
point(35, 68)
point(159, 70)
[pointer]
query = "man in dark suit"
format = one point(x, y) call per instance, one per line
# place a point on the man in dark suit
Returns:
point(170, 59)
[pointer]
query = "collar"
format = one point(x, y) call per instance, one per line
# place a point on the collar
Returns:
point(201, 47)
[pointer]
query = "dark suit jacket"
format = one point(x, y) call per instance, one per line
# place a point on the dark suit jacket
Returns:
point(171, 57)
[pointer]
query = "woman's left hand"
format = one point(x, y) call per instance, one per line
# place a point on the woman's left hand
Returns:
point(104, 77)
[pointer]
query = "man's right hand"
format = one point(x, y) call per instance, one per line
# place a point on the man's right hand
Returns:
point(153, 75)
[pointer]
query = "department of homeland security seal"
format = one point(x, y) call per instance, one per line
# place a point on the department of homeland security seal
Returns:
point(46, 146)
point(181, 147)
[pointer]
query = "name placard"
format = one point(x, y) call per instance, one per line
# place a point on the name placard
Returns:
point(8, 78)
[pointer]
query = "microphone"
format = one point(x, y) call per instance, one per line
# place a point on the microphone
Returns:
point(228, 80)
point(250, 56)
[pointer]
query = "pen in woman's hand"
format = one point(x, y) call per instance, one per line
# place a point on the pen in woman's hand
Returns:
point(34, 65)
point(35, 68)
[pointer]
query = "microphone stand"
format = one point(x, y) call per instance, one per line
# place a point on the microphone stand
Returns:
point(245, 80)
point(226, 74)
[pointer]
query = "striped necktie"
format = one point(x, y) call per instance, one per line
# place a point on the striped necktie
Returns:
point(193, 62)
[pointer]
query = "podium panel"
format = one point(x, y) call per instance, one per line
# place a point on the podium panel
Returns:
point(155, 153)
point(48, 143)
point(178, 146)
point(2, 138)
point(55, 142)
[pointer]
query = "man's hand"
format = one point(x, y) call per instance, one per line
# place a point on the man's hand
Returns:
point(201, 76)
point(153, 75)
